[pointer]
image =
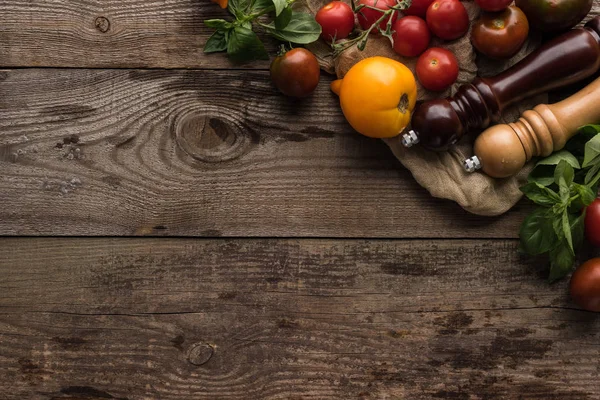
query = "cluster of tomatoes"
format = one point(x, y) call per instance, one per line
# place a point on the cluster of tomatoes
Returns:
point(585, 281)
point(436, 67)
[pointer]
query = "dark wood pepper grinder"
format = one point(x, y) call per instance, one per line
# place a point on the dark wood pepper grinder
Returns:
point(568, 58)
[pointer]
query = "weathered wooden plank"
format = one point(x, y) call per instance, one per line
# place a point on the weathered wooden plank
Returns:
point(110, 33)
point(287, 319)
point(207, 153)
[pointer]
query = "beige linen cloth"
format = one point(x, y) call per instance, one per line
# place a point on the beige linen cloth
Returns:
point(442, 174)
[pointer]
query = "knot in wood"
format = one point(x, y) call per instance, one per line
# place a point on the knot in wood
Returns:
point(200, 354)
point(210, 138)
point(102, 24)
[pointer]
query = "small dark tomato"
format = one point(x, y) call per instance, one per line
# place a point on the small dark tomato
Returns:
point(296, 73)
point(585, 285)
point(554, 15)
point(336, 20)
point(502, 34)
point(367, 16)
point(411, 36)
point(418, 8)
point(493, 5)
point(447, 19)
point(437, 69)
point(592, 223)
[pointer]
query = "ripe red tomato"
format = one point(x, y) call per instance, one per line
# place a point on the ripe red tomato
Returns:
point(493, 5)
point(418, 8)
point(368, 16)
point(411, 36)
point(437, 69)
point(336, 20)
point(585, 285)
point(500, 34)
point(592, 223)
point(296, 73)
point(447, 19)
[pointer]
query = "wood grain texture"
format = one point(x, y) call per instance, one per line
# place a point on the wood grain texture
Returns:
point(203, 153)
point(110, 34)
point(287, 319)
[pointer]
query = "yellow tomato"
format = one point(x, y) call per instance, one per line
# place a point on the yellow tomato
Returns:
point(377, 96)
point(222, 3)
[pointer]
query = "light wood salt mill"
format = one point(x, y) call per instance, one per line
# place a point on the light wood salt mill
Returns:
point(502, 150)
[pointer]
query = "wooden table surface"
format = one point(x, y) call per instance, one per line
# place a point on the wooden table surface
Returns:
point(176, 229)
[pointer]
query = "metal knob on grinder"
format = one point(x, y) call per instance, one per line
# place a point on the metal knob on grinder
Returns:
point(502, 150)
point(568, 58)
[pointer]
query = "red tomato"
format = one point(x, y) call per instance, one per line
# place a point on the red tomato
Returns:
point(368, 16)
point(493, 5)
point(411, 36)
point(336, 20)
point(437, 69)
point(585, 285)
point(447, 19)
point(418, 8)
point(592, 223)
point(296, 73)
point(500, 34)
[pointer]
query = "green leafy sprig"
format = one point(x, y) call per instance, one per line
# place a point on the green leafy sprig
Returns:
point(239, 39)
point(562, 185)
point(361, 39)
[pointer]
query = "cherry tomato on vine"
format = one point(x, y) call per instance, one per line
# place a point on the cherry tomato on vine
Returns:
point(437, 69)
point(592, 223)
point(411, 36)
point(493, 5)
point(585, 285)
point(418, 8)
point(447, 19)
point(336, 20)
point(296, 73)
point(501, 34)
point(368, 16)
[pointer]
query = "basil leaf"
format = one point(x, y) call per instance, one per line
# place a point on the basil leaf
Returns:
point(302, 29)
point(592, 151)
point(576, 145)
point(542, 174)
point(537, 233)
point(280, 5)
point(561, 261)
point(217, 42)
point(577, 222)
point(564, 170)
point(540, 194)
point(566, 226)
point(586, 194)
point(244, 45)
point(559, 156)
point(589, 129)
point(283, 19)
point(238, 7)
point(259, 5)
point(591, 174)
point(217, 24)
